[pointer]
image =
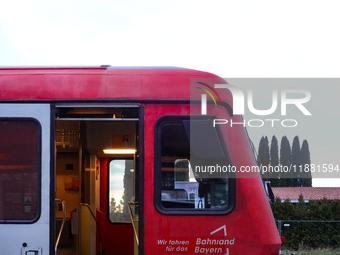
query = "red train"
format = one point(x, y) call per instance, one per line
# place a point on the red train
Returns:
point(134, 160)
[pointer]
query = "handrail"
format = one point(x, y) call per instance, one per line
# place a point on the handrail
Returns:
point(94, 217)
point(132, 221)
point(62, 224)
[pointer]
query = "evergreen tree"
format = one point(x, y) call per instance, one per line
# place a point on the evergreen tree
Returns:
point(296, 180)
point(263, 154)
point(274, 161)
point(260, 151)
point(305, 160)
point(266, 158)
point(285, 160)
point(292, 158)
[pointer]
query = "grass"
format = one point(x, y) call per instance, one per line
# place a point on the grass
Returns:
point(312, 252)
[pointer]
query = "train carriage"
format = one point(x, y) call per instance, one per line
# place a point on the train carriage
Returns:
point(126, 160)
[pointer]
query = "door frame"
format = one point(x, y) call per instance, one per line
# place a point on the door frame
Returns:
point(141, 176)
point(139, 160)
point(53, 190)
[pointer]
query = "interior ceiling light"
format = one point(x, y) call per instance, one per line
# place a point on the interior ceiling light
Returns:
point(119, 151)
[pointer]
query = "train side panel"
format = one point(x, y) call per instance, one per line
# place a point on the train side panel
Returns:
point(248, 229)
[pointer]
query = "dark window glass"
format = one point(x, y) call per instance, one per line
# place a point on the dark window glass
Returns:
point(183, 147)
point(19, 170)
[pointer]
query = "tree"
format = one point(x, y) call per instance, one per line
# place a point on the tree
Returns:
point(292, 163)
point(264, 153)
point(285, 160)
point(274, 161)
point(305, 164)
point(261, 150)
point(296, 180)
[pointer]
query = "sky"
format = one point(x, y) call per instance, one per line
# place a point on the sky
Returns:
point(117, 170)
point(233, 39)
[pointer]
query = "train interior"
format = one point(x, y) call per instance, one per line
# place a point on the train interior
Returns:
point(96, 154)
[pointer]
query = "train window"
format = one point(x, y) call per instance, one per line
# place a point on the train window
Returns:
point(20, 171)
point(184, 148)
point(120, 189)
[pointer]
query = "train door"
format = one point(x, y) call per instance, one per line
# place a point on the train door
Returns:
point(98, 164)
point(25, 180)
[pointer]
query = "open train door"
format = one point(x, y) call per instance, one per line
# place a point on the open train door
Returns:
point(26, 183)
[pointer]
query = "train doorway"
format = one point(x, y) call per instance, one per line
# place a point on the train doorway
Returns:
point(97, 164)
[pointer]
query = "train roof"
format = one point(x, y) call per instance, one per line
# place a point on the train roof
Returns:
point(104, 82)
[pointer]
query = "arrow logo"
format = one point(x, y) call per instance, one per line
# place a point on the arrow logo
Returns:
point(224, 227)
point(227, 252)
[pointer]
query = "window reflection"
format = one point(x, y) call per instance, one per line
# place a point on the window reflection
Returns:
point(19, 170)
point(182, 146)
point(120, 189)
